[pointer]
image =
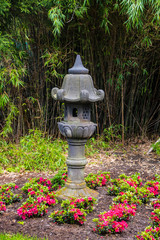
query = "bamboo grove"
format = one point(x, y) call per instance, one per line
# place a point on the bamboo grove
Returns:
point(119, 41)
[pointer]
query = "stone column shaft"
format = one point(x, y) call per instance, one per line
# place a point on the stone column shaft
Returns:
point(76, 160)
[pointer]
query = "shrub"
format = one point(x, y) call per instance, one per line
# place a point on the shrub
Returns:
point(37, 185)
point(149, 234)
point(128, 198)
point(113, 220)
point(6, 194)
point(32, 210)
point(59, 179)
point(97, 180)
point(2, 207)
point(85, 203)
point(71, 215)
point(155, 217)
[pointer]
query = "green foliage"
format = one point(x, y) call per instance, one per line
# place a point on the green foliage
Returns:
point(81, 203)
point(94, 146)
point(53, 62)
point(156, 147)
point(128, 197)
point(71, 216)
point(12, 71)
point(57, 17)
point(136, 10)
point(59, 179)
point(34, 152)
point(97, 180)
point(122, 34)
point(65, 11)
point(7, 194)
point(36, 185)
point(113, 133)
point(18, 236)
point(149, 233)
point(4, 6)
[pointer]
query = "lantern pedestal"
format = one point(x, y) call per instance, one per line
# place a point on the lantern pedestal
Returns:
point(68, 193)
point(75, 185)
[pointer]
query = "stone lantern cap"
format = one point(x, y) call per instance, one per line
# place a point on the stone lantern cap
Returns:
point(77, 86)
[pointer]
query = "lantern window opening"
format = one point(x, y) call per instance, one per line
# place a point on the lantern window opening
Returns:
point(75, 112)
point(85, 113)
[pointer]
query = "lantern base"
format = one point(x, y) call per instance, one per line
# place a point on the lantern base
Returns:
point(68, 193)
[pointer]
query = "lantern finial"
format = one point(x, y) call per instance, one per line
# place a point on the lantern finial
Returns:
point(78, 67)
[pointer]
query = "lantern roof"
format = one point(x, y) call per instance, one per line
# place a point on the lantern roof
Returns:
point(77, 86)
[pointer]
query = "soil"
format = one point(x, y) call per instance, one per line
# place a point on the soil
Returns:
point(132, 159)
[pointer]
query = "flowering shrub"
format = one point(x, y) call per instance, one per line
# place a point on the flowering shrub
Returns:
point(153, 232)
point(10, 197)
point(59, 180)
point(85, 203)
point(2, 207)
point(134, 177)
point(113, 220)
point(37, 185)
point(109, 226)
point(123, 211)
point(153, 187)
point(124, 184)
point(40, 197)
point(6, 193)
point(7, 187)
point(128, 197)
point(97, 180)
point(32, 210)
point(71, 215)
point(38, 189)
point(43, 199)
point(128, 190)
point(149, 234)
point(155, 217)
point(157, 177)
point(144, 194)
point(156, 203)
point(48, 199)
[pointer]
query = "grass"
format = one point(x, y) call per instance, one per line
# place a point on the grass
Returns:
point(156, 147)
point(18, 236)
point(34, 153)
point(93, 146)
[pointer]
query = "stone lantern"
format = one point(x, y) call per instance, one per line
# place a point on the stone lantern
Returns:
point(77, 93)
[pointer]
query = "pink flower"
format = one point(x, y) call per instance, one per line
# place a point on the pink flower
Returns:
point(75, 216)
point(32, 192)
point(89, 198)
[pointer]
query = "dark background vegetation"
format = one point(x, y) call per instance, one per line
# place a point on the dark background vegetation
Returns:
point(119, 42)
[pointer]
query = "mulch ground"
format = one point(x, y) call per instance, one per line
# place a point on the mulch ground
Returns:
point(132, 159)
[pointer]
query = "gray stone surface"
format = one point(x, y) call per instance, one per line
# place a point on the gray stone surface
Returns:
point(78, 67)
point(77, 129)
point(77, 93)
point(77, 88)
